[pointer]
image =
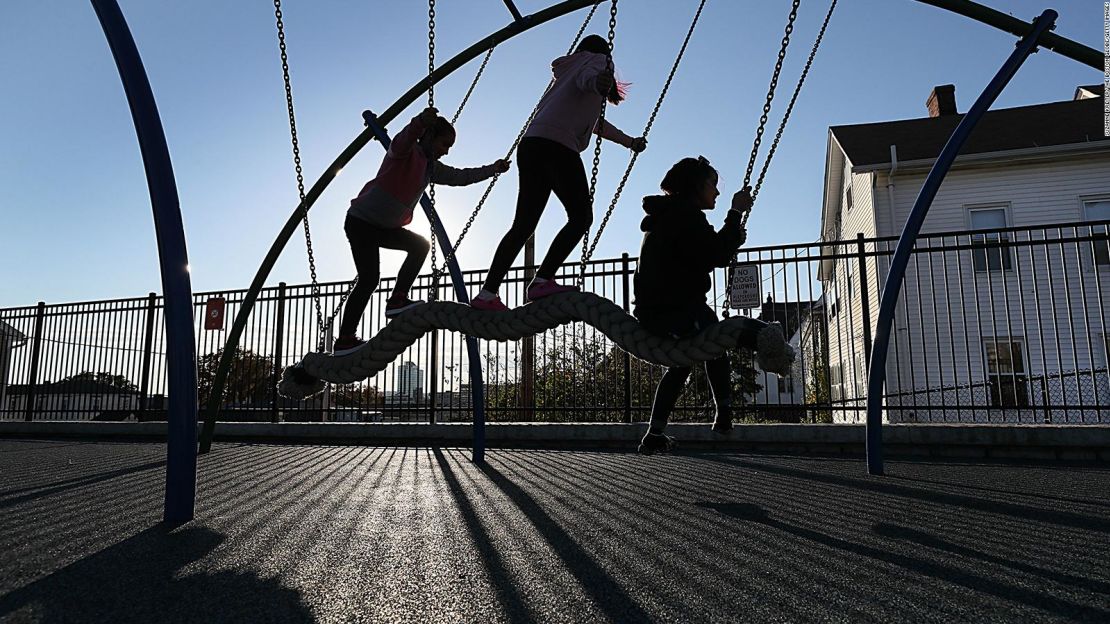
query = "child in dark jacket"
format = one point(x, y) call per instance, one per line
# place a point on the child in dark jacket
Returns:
point(377, 217)
point(680, 250)
point(549, 161)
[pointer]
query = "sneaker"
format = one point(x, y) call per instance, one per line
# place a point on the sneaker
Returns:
point(393, 308)
point(539, 290)
point(489, 305)
point(346, 344)
point(656, 443)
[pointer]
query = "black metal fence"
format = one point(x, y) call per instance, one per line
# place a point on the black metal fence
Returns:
point(1005, 325)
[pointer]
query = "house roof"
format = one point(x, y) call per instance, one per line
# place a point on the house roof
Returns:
point(789, 314)
point(1040, 125)
point(11, 332)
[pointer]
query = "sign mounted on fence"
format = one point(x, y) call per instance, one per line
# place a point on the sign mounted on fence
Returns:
point(744, 292)
point(214, 313)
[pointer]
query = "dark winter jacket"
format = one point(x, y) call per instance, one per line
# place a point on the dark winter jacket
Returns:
point(679, 252)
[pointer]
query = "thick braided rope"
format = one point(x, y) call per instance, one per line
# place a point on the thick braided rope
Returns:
point(547, 313)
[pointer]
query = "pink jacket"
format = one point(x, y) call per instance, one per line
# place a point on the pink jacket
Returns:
point(388, 200)
point(568, 113)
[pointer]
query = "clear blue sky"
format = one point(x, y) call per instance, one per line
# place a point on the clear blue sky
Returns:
point(76, 216)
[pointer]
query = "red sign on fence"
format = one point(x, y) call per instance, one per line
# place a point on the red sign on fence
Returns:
point(214, 313)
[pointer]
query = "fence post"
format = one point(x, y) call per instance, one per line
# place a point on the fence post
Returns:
point(434, 374)
point(148, 353)
point(528, 344)
point(627, 357)
point(279, 352)
point(36, 351)
point(865, 303)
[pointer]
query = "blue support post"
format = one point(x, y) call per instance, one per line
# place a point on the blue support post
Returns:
point(876, 377)
point(476, 389)
point(181, 361)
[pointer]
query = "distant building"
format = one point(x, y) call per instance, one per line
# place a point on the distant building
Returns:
point(410, 382)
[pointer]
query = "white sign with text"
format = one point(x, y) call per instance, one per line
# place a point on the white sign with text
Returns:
point(745, 291)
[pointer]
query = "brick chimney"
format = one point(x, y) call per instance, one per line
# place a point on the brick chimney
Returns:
point(942, 101)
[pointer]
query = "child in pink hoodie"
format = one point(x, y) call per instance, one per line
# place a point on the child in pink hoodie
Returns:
point(549, 161)
point(377, 217)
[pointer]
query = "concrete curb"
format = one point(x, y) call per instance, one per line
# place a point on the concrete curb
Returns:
point(1042, 442)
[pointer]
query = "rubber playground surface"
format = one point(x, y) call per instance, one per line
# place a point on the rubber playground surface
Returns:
point(354, 533)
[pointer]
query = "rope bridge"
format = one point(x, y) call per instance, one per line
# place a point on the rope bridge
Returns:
point(308, 377)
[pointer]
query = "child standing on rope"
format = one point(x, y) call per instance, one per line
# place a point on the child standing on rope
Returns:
point(566, 117)
point(679, 251)
point(377, 217)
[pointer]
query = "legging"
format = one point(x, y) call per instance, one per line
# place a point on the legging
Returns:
point(366, 241)
point(544, 166)
point(682, 324)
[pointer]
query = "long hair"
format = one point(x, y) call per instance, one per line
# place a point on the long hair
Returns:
point(599, 45)
point(687, 176)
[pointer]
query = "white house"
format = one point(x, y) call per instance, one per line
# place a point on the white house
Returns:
point(1018, 326)
point(782, 393)
point(10, 339)
point(73, 399)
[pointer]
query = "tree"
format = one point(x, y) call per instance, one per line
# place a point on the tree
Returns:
point(248, 381)
point(358, 395)
point(102, 378)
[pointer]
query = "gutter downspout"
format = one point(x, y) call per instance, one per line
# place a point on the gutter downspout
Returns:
point(890, 180)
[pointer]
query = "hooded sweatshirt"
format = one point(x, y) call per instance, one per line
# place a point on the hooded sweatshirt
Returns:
point(388, 200)
point(568, 113)
point(679, 251)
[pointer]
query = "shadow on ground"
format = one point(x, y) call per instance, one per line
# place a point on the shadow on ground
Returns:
point(343, 533)
point(142, 580)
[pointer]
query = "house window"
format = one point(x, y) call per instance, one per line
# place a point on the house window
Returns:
point(836, 382)
point(786, 385)
point(1006, 372)
point(848, 198)
point(1099, 210)
point(990, 258)
point(861, 370)
point(832, 301)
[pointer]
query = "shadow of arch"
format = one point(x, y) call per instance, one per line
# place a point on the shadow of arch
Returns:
point(140, 580)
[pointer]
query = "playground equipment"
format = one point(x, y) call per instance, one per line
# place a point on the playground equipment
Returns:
point(181, 358)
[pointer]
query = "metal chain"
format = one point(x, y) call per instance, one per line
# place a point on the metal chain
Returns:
point(300, 172)
point(647, 130)
point(771, 94)
point(597, 144)
point(473, 83)
point(438, 272)
point(432, 294)
point(789, 109)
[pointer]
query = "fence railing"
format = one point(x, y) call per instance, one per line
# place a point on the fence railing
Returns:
point(1004, 325)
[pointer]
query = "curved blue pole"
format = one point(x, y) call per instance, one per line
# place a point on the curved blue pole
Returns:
point(876, 375)
point(477, 390)
point(181, 360)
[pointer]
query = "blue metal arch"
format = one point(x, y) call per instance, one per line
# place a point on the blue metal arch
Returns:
point(181, 359)
point(876, 374)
